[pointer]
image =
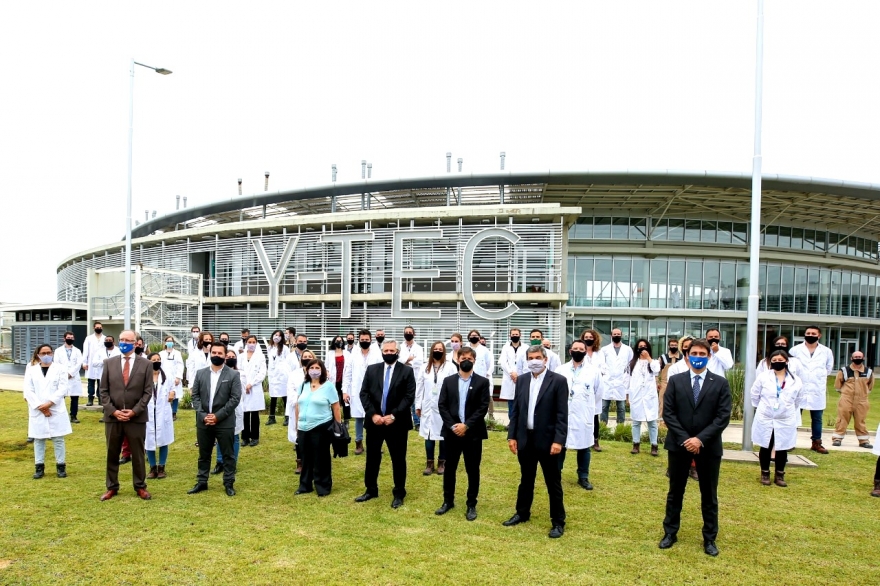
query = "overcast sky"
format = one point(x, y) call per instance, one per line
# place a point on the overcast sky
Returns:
point(292, 87)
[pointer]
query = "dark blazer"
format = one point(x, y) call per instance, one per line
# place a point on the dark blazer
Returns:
point(401, 394)
point(705, 420)
point(226, 397)
point(135, 395)
point(551, 412)
point(475, 408)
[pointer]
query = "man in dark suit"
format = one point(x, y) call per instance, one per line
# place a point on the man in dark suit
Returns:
point(216, 392)
point(537, 431)
point(696, 409)
point(463, 403)
point(388, 391)
point(125, 389)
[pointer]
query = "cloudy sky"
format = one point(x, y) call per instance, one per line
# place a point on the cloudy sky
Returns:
point(293, 87)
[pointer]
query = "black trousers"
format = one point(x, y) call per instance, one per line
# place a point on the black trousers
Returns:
point(472, 450)
point(346, 409)
point(529, 458)
point(596, 428)
point(251, 429)
point(764, 455)
point(136, 434)
point(708, 468)
point(395, 438)
point(225, 438)
point(314, 447)
point(74, 407)
point(273, 402)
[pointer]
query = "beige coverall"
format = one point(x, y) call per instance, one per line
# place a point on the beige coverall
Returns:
point(853, 401)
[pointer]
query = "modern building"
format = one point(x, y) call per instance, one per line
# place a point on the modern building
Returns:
point(658, 255)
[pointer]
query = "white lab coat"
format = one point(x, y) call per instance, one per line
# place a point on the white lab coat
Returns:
point(330, 363)
point(616, 381)
point(522, 361)
point(678, 368)
point(353, 377)
point(294, 384)
point(584, 401)
point(783, 420)
point(195, 362)
point(597, 359)
point(418, 354)
point(93, 345)
point(794, 367)
point(96, 366)
point(427, 395)
point(160, 425)
point(278, 372)
point(507, 360)
point(484, 365)
point(39, 389)
point(876, 450)
point(172, 365)
point(814, 374)
point(239, 409)
point(71, 381)
point(644, 403)
point(720, 362)
point(255, 371)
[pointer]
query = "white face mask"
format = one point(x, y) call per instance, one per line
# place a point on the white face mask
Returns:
point(276, 339)
point(195, 335)
point(536, 365)
point(315, 374)
point(251, 347)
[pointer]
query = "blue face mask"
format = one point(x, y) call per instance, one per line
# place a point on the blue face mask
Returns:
point(169, 345)
point(125, 347)
point(699, 362)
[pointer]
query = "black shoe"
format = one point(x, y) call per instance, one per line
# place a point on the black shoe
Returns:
point(365, 497)
point(668, 541)
point(515, 520)
point(556, 532)
point(229, 490)
point(396, 503)
point(199, 487)
point(302, 490)
point(585, 483)
point(271, 420)
point(471, 514)
point(30, 440)
point(286, 421)
point(444, 508)
point(124, 460)
point(174, 417)
point(39, 471)
point(710, 548)
point(90, 403)
point(74, 420)
point(61, 470)
point(217, 469)
point(254, 443)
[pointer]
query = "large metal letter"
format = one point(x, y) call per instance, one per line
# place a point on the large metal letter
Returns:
point(346, 239)
point(467, 279)
point(398, 273)
point(274, 277)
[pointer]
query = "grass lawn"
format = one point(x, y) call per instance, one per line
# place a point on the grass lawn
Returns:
point(818, 531)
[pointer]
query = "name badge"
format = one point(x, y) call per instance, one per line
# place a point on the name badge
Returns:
point(775, 405)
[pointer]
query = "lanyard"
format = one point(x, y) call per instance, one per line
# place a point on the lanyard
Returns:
point(779, 388)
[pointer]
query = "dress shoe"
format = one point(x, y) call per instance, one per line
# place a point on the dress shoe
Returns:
point(271, 420)
point(143, 494)
point(556, 532)
point(818, 447)
point(515, 520)
point(39, 471)
point(668, 541)
point(396, 503)
point(365, 497)
point(444, 508)
point(585, 483)
point(108, 495)
point(74, 420)
point(199, 487)
point(161, 473)
point(255, 443)
point(302, 490)
point(693, 473)
point(218, 468)
point(154, 472)
point(710, 548)
point(229, 490)
point(471, 514)
point(867, 446)
point(836, 443)
point(124, 460)
point(358, 447)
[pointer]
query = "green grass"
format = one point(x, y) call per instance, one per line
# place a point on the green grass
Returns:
point(57, 531)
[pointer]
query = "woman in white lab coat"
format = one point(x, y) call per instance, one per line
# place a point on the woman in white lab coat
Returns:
point(200, 357)
point(429, 380)
point(45, 385)
point(876, 452)
point(643, 402)
point(779, 343)
point(584, 399)
point(160, 425)
point(68, 357)
point(295, 384)
point(232, 362)
point(172, 366)
point(593, 341)
point(96, 368)
point(277, 353)
point(334, 361)
point(775, 396)
point(252, 362)
point(361, 356)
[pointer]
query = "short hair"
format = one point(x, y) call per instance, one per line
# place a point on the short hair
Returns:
point(364, 332)
point(301, 335)
point(517, 330)
point(291, 330)
point(223, 334)
point(245, 331)
point(817, 328)
point(409, 328)
point(467, 351)
point(68, 334)
point(456, 335)
point(165, 339)
point(536, 349)
point(195, 328)
point(130, 332)
point(218, 344)
point(713, 330)
point(477, 332)
point(581, 342)
point(349, 334)
point(536, 330)
point(700, 343)
point(97, 323)
point(391, 341)
point(310, 363)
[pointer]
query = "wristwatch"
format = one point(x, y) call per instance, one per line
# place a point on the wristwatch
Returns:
point(392, 417)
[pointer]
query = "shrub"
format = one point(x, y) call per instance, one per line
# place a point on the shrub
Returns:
point(186, 401)
point(736, 378)
point(494, 425)
point(155, 347)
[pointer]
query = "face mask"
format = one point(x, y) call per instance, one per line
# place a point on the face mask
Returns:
point(380, 339)
point(811, 339)
point(108, 344)
point(251, 347)
point(157, 366)
point(535, 342)
point(456, 346)
point(217, 360)
point(276, 339)
point(714, 341)
point(858, 361)
point(616, 339)
point(231, 362)
point(777, 366)
point(350, 341)
point(466, 365)
point(195, 335)
point(699, 362)
point(642, 349)
point(577, 355)
point(438, 354)
point(389, 358)
point(99, 330)
point(536, 365)
point(126, 347)
point(514, 339)
point(590, 342)
point(68, 341)
point(782, 348)
point(169, 345)
point(138, 350)
point(409, 337)
point(338, 344)
point(286, 337)
point(46, 359)
point(314, 374)
point(365, 344)
point(673, 349)
point(302, 346)
point(224, 341)
point(474, 340)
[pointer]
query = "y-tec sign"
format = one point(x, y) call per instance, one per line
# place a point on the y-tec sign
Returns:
point(274, 275)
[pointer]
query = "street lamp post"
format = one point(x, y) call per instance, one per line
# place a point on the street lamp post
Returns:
point(162, 71)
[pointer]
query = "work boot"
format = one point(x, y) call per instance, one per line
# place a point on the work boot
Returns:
point(654, 450)
point(154, 472)
point(876, 491)
point(286, 420)
point(90, 403)
point(73, 419)
point(429, 468)
point(40, 471)
point(635, 449)
point(299, 466)
point(596, 447)
point(441, 467)
point(271, 420)
point(161, 473)
point(780, 479)
point(765, 477)
point(693, 473)
point(818, 447)
point(866, 445)
point(358, 447)
point(61, 470)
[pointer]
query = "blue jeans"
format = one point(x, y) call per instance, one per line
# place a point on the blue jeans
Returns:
point(163, 456)
point(416, 419)
point(93, 386)
point(236, 443)
point(429, 449)
point(583, 462)
point(652, 432)
point(174, 404)
point(621, 411)
point(358, 429)
point(509, 408)
point(816, 424)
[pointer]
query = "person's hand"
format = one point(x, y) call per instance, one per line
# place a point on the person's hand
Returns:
point(378, 420)
point(346, 398)
point(171, 396)
point(459, 429)
point(555, 449)
point(388, 420)
point(249, 388)
point(44, 409)
point(514, 376)
point(128, 413)
point(85, 366)
point(210, 419)
point(119, 415)
point(69, 376)
point(715, 347)
point(692, 445)
point(410, 359)
point(418, 412)
point(512, 445)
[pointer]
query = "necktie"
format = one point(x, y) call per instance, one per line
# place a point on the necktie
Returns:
point(696, 388)
point(385, 388)
point(126, 370)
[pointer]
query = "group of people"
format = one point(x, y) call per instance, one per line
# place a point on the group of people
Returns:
point(390, 387)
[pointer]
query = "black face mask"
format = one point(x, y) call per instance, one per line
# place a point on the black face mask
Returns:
point(217, 360)
point(858, 361)
point(673, 349)
point(616, 339)
point(338, 344)
point(157, 366)
point(302, 346)
point(438, 355)
point(224, 342)
point(99, 330)
point(577, 355)
point(409, 337)
point(389, 358)
point(777, 366)
point(350, 341)
point(642, 349)
point(380, 339)
point(714, 341)
point(138, 350)
point(590, 342)
point(782, 348)
point(108, 344)
point(231, 362)
point(474, 340)
point(811, 339)
point(466, 365)
point(514, 339)
point(68, 341)
point(365, 344)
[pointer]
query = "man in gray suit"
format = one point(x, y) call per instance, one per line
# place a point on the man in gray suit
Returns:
point(216, 392)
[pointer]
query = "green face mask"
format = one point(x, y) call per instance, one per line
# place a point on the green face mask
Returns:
point(535, 342)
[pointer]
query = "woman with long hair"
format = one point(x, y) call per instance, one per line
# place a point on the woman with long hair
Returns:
point(779, 343)
point(429, 380)
point(455, 341)
point(160, 422)
point(643, 401)
point(334, 360)
point(253, 364)
point(295, 385)
point(316, 407)
point(172, 364)
point(593, 342)
point(45, 385)
point(278, 372)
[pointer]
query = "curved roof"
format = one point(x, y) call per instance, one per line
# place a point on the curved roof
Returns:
point(805, 201)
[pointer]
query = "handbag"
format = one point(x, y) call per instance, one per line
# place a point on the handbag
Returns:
point(339, 439)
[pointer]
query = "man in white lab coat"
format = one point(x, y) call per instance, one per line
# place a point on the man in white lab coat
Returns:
point(536, 337)
point(413, 356)
point(91, 349)
point(616, 384)
point(720, 360)
point(70, 359)
point(817, 363)
point(352, 379)
point(507, 360)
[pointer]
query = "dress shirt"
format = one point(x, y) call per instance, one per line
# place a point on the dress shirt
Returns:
point(389, 372)
point(535, 383)
point(215, 378)
point(463, 385)
point(122, 358)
